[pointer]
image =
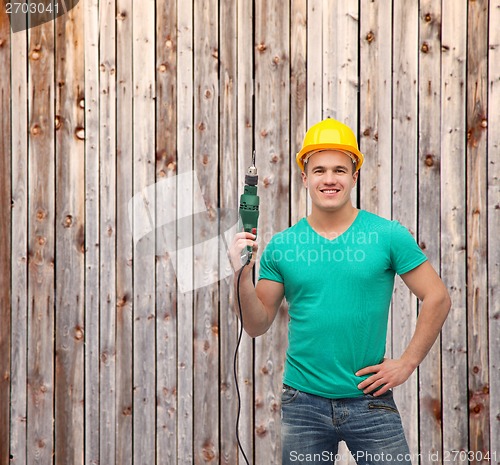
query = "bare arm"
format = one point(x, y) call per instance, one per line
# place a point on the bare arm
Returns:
point(425, 283)
point(259, 304)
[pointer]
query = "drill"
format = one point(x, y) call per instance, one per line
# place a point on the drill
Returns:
point(249, 207)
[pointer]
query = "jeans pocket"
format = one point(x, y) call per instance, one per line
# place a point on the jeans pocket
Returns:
point(382, 406)
point(288, 394)
point(383, 402)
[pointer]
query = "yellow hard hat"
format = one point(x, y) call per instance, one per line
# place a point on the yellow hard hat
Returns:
point(329, 134)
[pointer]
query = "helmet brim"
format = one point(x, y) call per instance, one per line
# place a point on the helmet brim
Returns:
point(318, 147)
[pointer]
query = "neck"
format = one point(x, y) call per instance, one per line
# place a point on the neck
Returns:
point(332, 221)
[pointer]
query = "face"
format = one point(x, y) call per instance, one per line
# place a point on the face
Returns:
point(330, 179)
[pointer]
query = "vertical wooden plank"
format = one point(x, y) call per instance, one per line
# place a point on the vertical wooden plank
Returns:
point(144, 397)
point(41, 216)
point(340, 62)
point(477, 290)
point(185, 209)
point(453, 237)
point(19, 269)
point(166, 302)
point(205, 228)
point(272, 89)
point(375, 124)
point(228, 176)
point(107, 231)
point(429, 193)
point(405, 130)
point(70, 239)
point(314, 73)
point(124, 247)
point(5, 248)
point(314, 62)
point(298, 110)
point(245, 141)
point(494, 225)
point(92, 140)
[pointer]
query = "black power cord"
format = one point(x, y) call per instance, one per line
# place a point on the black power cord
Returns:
point(240, 447)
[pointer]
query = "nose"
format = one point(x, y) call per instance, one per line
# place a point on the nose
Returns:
point(330, 177)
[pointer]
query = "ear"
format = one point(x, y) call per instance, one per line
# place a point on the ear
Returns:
point(304, 178)
point(355, 176)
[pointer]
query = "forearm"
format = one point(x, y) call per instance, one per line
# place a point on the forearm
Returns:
point(433, 313)
point(255, 316)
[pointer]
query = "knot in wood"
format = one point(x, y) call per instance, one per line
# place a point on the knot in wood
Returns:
point(57, 122)
point(68, 221)
point(162, 68)
point(41, 214)
point(262, 47)
point(425, 47)
point(127, 411)
point(484, 123)
point(35, 130)
point(208, 452)
point(78, 333)
point(429, 160)
point(261, 430)
point(276, 60)
point(370, 37)
point(35, 55)
point(80, 133)
point(428, 18)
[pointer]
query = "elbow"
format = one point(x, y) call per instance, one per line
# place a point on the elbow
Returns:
point(445, 302)
point(255, 332)
point(252, 334)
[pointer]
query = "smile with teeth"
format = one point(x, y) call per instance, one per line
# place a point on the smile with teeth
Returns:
point(329, 191)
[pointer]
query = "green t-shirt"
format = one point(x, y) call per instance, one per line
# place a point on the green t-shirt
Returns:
point(338, 292)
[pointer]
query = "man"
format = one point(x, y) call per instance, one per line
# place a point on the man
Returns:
point(336, 270)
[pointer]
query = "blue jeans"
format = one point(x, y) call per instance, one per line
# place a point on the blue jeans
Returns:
point(312, 426)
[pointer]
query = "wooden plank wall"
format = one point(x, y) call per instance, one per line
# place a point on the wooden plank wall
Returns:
point(116, 347)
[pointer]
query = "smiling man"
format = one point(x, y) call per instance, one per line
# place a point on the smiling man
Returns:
point(336, 269)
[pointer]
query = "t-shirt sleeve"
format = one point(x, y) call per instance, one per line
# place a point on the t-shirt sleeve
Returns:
point(269, 268)
point(405, 252)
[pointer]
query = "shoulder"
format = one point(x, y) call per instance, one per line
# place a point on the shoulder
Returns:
point(372, 222)
point(378, 222)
